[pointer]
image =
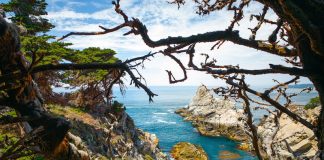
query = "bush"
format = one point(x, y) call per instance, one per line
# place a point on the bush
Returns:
point(314, 102)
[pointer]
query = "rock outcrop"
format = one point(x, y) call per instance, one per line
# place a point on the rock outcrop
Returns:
point(214, 117)
point(290, 139)
point(227, 155)
point(185, 150)
point(109, 135)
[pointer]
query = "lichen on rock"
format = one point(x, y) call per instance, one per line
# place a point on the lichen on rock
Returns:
point(186, 151)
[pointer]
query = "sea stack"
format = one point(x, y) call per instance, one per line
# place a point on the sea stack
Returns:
point(214, 117)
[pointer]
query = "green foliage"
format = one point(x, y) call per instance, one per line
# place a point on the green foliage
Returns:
point(90, 55)
point(11, 113)
point(148, 157)
point(32, 157)
point(117, 107)
point(42, 49)
point(29, 14)
point(48, 52)
point(62, 110)
point(314, 102)
point(94, 55)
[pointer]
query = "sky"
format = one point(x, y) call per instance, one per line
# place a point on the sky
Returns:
point(162, 20)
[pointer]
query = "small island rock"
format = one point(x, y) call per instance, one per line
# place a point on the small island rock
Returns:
point(185, 151)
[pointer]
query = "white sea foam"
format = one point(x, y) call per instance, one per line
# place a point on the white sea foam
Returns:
point(170, 110)
point(160, 113)
point(163, 121)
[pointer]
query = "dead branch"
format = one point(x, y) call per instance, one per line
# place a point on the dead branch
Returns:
point(242, 94)
point(273, 103)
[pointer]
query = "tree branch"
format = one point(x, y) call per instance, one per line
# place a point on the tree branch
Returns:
point(253, 129)
point(275, 69)
point(137, 27)
point(273, 103)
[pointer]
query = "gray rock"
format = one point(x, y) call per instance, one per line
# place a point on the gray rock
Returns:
point(291, 139)
point(214, 117)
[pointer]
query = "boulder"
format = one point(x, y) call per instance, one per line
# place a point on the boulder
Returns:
point(185, 150)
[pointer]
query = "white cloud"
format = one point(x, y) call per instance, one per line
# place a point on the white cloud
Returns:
point(162, 20)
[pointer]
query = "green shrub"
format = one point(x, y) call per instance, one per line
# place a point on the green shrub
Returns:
point(118, 107)
point(314, 102)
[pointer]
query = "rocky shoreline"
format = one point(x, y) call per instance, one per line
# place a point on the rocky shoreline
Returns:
point(217, 117)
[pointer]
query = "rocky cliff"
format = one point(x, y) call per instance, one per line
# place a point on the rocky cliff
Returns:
point(214, 117)
point(111, 135)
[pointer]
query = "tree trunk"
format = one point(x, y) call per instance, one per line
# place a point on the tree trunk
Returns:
point(305, 18)
point(320, 128)
point(314, 63)
point(23, 93)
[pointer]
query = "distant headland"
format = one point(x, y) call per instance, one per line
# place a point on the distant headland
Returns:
point(305, 85)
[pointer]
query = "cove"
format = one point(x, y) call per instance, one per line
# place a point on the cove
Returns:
point(159, 118)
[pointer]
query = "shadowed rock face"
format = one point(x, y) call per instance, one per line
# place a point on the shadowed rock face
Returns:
point(214, 117)
point(185, 150)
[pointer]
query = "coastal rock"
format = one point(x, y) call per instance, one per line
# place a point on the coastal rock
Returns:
point(290, 139)
point(185, 150)
point(109, 135)
point(227, 155)
point(214, 117)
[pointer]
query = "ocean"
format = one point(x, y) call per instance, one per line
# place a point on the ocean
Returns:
point(159, 118)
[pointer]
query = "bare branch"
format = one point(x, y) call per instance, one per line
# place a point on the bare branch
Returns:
point(261, 20)
point(171, 77)
point(137, 27)
point(267, 92)
point(242, 94)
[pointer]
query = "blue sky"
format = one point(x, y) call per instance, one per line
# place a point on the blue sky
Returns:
point(162, 20)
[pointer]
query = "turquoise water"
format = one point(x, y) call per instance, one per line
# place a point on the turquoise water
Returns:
point(159, 118)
